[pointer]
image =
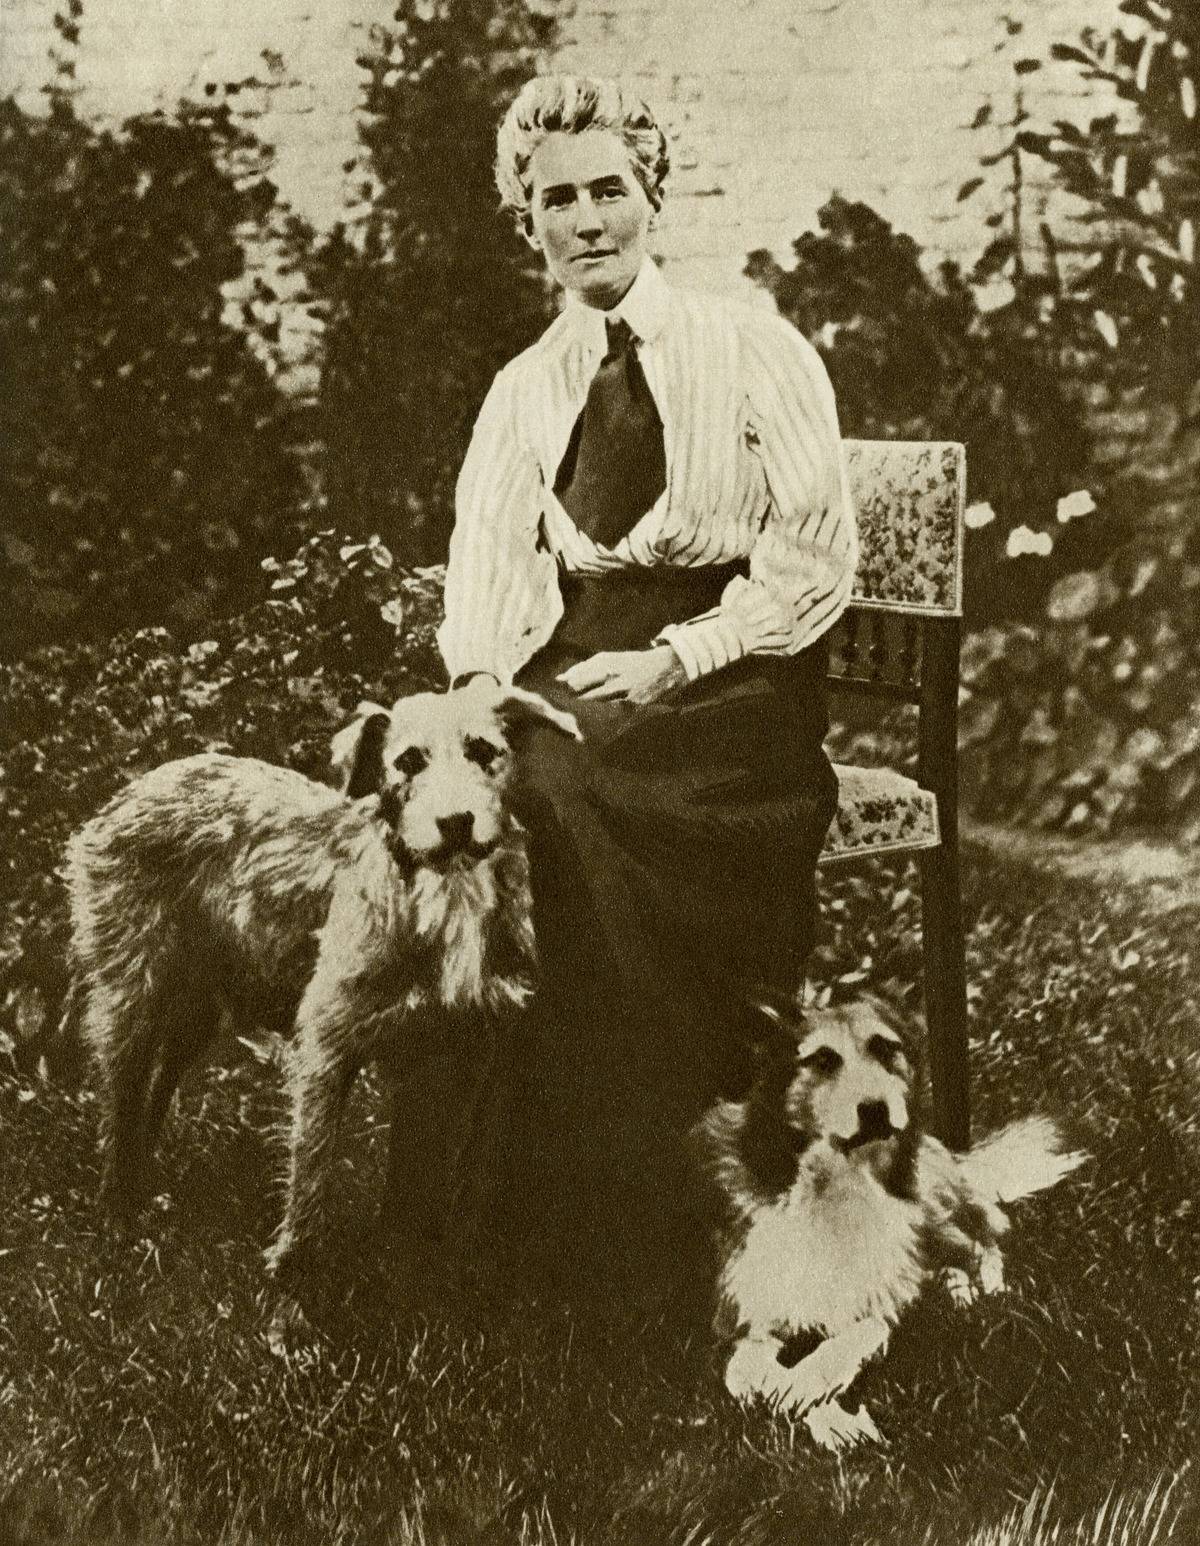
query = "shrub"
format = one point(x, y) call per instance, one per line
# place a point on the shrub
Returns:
point(1135, 171)
point(1088, 721)
point(147, 460)
point(914, 356)
point(429, 290)
point(1092, 721)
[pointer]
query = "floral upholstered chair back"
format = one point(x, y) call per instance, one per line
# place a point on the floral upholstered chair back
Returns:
point(909, 499)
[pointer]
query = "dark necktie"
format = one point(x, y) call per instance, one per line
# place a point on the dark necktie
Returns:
point(614, 467)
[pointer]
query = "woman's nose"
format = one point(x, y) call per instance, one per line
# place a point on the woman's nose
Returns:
point(587, 217)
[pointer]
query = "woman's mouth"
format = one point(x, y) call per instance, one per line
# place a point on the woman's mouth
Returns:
point(593, 257)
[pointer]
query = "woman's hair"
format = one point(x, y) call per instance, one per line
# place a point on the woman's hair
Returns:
point(568, 104)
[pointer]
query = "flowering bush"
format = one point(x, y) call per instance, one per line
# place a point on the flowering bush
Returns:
point(1092, 720)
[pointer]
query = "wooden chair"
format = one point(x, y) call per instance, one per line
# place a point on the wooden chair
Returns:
point(899, 642)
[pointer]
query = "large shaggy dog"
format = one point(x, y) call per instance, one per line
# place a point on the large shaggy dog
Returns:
point(841, 1208)
point(369, 919)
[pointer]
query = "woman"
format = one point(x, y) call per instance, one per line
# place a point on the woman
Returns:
point(654, 530)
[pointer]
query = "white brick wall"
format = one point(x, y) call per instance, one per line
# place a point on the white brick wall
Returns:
point(771, 104)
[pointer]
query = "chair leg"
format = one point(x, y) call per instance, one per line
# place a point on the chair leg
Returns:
point(944, 950)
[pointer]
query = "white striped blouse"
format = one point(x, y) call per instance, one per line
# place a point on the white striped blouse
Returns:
point(754, 471)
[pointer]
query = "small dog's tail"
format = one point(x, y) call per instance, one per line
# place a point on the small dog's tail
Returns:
point(1024, 1157)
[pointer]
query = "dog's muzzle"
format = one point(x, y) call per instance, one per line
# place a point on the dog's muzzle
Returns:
point(459, 840)
point(456, 831)
point(874, 1126)
point(459, 846)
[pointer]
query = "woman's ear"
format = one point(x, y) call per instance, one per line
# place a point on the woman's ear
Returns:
point(529, 233)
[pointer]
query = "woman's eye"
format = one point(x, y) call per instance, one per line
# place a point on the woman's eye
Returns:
point(410, 761)
point(824, 1061)
point(481, 751)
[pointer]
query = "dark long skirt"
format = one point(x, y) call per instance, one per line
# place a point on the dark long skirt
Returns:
point(672, 863)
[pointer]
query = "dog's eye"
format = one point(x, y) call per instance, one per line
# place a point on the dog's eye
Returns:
point(482, 751)
point(410, 761)
point(885, 1051)
point(824, 1061)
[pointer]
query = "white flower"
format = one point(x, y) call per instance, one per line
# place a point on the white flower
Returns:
point(999, 291)
point(1024, 540)
point(1072, 506)
point(381, 555)
point(1150, 198)
point(1074, 597)
point(1106, 327)
point(979, 514)
point(1142, 77)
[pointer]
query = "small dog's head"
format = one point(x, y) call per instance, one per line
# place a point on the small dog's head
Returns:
point(438, 763)
point(838, 1084)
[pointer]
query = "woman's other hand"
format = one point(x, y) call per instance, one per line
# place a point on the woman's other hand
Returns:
point(637, 676)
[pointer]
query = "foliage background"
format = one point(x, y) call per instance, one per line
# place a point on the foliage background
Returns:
point(197, 556)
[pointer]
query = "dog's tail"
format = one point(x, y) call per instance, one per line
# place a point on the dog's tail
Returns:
point(1024, 1157)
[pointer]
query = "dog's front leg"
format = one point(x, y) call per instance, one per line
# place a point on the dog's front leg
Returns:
point(754, 1368)
point(321, 1079)
point(812, 1386)
point(833, 1367)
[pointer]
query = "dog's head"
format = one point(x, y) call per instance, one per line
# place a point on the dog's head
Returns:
point(837, 1085)
point(438, 764)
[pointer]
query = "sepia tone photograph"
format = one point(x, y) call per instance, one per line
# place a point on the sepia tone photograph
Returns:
point(599, 772)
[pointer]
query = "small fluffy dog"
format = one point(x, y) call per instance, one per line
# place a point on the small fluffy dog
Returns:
point(366, 919)
point(841, 1208)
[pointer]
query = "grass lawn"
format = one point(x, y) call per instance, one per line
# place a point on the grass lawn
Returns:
point(139, 1399)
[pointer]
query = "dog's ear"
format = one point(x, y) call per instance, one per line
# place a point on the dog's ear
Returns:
point(519, 707)
point(775, 1025)
point(356, 751)
point(776, 1012)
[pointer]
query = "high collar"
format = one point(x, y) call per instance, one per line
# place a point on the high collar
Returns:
point(644, 307)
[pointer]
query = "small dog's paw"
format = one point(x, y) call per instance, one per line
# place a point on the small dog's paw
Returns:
point(511, 993)
point(290, 1334)
point(960, 1287)
point(753, 1370)
point(991, 1270)
point(836, 1429)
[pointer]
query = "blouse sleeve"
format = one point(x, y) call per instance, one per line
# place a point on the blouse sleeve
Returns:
point(495, 576)
point(805, 547)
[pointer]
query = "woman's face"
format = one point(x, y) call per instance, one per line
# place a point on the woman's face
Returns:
point(588, 214)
